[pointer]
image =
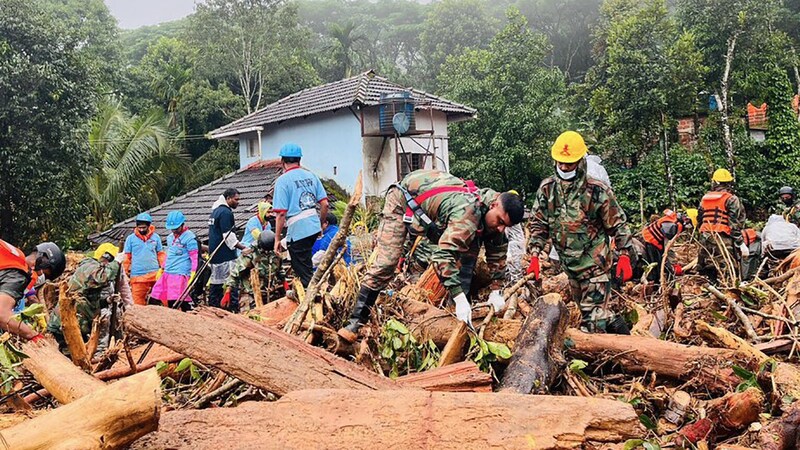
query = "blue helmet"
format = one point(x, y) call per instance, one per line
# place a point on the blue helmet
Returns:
point(144, 217)
point(291, 150)
point(175, 219)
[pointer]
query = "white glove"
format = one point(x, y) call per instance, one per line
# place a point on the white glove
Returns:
point(745, 250)
point(463, 310)
point(497, 301)
point(317, 258)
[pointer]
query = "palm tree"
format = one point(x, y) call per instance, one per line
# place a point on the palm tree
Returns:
point(167, 85)
point(136, 157)
point(346, 40)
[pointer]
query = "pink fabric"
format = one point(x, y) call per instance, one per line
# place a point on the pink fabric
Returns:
point(193, 259)
point(171, 286)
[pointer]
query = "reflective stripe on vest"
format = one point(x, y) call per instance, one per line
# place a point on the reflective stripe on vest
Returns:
point(653, 233)
point(12, 258)
point(716, 217)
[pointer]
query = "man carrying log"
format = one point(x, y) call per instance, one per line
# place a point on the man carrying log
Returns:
point(264, 260)
point(451, 213)
point(582, 215)
point(722, 218)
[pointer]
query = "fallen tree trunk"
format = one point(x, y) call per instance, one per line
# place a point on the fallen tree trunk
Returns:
point(63, 380)
point(370, 419)
point(537, 356)
point(710, 367)
point(71, 329)
point(109, 418)
point(460, 377)
point(275, 314)
point(735, 411)
point(245, 349)
point(782, 434)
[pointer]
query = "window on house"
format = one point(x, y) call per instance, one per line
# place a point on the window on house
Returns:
point(253, 151)
point(409, 162)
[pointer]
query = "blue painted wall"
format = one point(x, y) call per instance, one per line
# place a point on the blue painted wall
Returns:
point(329, 140)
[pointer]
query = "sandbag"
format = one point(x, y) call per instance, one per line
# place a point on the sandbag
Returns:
point(779, 234)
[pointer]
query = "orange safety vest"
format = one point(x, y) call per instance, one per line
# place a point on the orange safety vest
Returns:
point(12, 258)
point(716, 217)
point(749, 236)
point(653, 233)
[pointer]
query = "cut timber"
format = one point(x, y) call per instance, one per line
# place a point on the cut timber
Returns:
point(70, 327)
point(413, 420)
point(454, 349)
point(252, 352)
point(109, 418)
point(461, 377)
point(782, 434)
point(64, 380)
point(735, 411)
point(710, 367)
point(537, 355)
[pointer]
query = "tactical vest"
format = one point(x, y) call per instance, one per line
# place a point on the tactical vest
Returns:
point(654, 234)
point(716, 217)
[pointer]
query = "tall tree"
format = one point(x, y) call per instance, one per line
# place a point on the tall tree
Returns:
point(347, 39)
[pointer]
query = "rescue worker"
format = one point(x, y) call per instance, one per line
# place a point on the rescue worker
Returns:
point(786, 199)
point(750, 265)
point(268, 265)
point(95, 281)
point(144, 257)
point(223, 245)
point(330, 226)
point(721, 216)
point(19, 273)
point(655, 237)
point(180, 266)
point(581, 215)
point(451, 213)
point(257, 224)
point(297, 194)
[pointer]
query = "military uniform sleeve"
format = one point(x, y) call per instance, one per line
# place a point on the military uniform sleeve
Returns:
point(242, 265)
point(462, 225)
point(496, 251)
point(614, 220)
point(537, 225)
point(737, 218)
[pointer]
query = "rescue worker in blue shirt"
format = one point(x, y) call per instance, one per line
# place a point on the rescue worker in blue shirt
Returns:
point(297, 193)
point(257, 224)
point(330, 226)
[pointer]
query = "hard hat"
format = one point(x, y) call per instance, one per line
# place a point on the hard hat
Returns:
point(108, 247)
point(786, 190)
point(50, 257)
point(692, 213)
point(266, 240)
point(569, 147)
point(264, 210)
point(513, 191)
point(144, 217)
point(722, 176)
point(291, 150)
point(174, 220)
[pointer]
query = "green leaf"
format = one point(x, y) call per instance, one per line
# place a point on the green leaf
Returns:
point(719, 316)
point(631, 444)
point(194, 372)
point(397, 343)
point(387, 352)
point(395, 325)
point(651, 446)
point(33, 309)
point(577, 365)
point(184, 364)
point(501, 350)
point(647, 422)
point(161, 366)
point(743, 373)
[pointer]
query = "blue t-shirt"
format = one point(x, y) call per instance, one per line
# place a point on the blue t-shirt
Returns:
point(324, 242)
point(144, 254)
point(178, 262)
point(253, 224)
point(297, 192)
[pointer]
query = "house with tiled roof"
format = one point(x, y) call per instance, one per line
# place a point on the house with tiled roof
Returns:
point(347, 126)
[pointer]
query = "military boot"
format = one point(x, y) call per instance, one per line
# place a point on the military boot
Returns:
point(361, 311)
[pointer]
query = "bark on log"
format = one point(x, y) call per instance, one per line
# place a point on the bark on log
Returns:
point(364, 419)
point(252, 352)
point(275, 314)
point(710, 367)
point(461, 377)
point(782, 434)
point(454, 349)
point(255, 283)
point(62, 379)
point(537, 356)
point(71, 329)
point(109, 418)
point(735, 411)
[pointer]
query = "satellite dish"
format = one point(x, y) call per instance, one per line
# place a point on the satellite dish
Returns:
point(401, 123)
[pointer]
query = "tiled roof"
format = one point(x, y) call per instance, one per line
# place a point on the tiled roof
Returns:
point(364, 89)
point(252, 182)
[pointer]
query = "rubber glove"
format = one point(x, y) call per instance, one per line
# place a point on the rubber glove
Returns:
point(678, 269)
point(624, 269)
point(191, 276)
point(497, 301)
point(159, 273)
point(745, 250)
point(533, 267)
point(463, 310)
point(226, 299)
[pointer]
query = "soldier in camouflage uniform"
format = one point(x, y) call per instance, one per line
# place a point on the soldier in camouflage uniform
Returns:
point(787, 205)
point(451, 213)
point(263, 259)
point(95, 281)
point(581, 215)
point(722, 218)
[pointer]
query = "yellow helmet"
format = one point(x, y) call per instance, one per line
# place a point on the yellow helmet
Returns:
point(513, 191)
point(692, 214)
point(264, 210)
point(108, 247)
point(569, 147)
point(722, 176)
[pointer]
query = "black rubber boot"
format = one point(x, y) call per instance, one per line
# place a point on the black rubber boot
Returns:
point(618, 326)
point(361, 312)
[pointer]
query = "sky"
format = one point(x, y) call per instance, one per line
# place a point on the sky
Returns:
point(136, 13)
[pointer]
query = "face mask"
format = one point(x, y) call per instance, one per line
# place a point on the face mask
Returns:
point(40, 280)
point(787, 201)
point(566, 176)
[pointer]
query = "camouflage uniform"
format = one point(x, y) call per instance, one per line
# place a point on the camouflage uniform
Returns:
point(779, 208)
point(711, 254)
point(581, 216)
point(269, 270)
point(457, 216)
point(792, 214)
point(95, 283)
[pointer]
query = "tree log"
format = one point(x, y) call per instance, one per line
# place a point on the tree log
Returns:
point(537, 356)
point(454, 349)
point(250, 351)
point(735, 411)
point(65, 381)
point(710, 367)
point(156, 354)
point(461, 377)
point(415, 419)
point(71, 329)
point(109, 418)
point(275, 314)
point(782, 434)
